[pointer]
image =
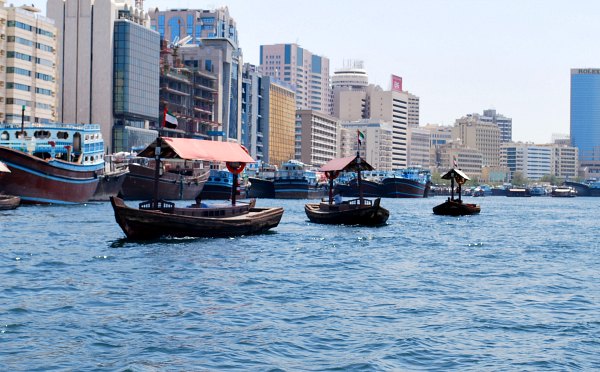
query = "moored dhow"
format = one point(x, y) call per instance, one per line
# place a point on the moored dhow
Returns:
point(455, 206)
point(293, 181)
point(51, 163)
point(407, 183)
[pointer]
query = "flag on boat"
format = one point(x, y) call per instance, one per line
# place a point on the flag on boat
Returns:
point(454, 161)
point(360, 136)
point(169, 120)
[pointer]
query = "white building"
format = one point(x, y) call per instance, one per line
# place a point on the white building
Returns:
point(533, 161)
point(316, 137)
point(419, 147)
point(103, 81)
point(376, 148)
point(28, 72)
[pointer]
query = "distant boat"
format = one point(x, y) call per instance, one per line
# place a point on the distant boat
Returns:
point(260, 180)
point(218, 186)
point(358, 211)
point(564, 192)
point(588, 188)
point(294, 181)
point(370, 181)
point(537, 191)
point(51, 163)
point(156, 218)
point(455, 206)
point(518, 192)
point(407, 183)
point(180, 180)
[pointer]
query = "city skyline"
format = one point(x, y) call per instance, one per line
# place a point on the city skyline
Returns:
point(459, 57)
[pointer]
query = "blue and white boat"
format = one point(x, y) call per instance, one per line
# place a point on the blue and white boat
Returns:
point(218, 186)
point(407, 183)
point(51, 163)
point(294, 181)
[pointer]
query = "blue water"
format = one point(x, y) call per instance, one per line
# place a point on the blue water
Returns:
point(514, 288)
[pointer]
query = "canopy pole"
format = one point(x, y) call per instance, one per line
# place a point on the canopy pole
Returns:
point(452, 188)
point(156, 171)
point(234, 188)
point(360, 190)
point(330, 176)
point(459, 191)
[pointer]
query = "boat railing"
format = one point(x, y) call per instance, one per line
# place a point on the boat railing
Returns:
point(357, 201)
point(162, 205)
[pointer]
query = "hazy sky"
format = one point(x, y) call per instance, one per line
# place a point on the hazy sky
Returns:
point(458, 56)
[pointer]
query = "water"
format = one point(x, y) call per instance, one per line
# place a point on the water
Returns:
point(514, 288)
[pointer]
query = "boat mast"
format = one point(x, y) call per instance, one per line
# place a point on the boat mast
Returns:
point(452, 186)
point(156, 172)
point(360, 190)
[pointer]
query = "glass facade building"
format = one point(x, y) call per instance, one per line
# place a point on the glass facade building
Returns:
point(585, 113)
point(136, 78)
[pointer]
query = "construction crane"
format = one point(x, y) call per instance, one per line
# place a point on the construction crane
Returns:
point(176, 43)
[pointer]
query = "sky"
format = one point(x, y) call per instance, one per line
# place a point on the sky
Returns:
point(458, 56)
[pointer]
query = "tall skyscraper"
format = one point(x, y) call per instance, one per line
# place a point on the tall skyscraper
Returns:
point(108, 68)
point(585, 115)
point(176, 24)
point(254, 119)
point(279, 104)
point(213, 43)
point(28, 71)
point(307, 72)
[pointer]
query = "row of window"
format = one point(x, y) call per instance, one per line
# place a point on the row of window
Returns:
point(27, 88)
point(24, 72)
point(28, 58)
point(22, 41)
point(26, 27)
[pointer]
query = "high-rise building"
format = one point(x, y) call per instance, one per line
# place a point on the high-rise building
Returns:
point(376, 147)
point(468, 159)
point(413, 111)
point(253, 117)
point(308, 73)
point(28, 73)
point(279, 100)
point(504, 123)
point(533, 161)
point(108, 59)
point(316, 137)
point(392, 106)
point(485, 137)
point(212, 43)
point(349, 83)
point(419, 139)
point(585, 115)
point(177, 24)
point(565, 161)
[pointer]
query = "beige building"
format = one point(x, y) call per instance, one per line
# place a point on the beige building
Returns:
point(281, 105)
point(376, 148)
point(413, 111)
point(316, 137)
point(307, 72)
point(28, 72)
point(419, 139)
point(564, 161)
point(467, 159)
point(485, 137)
point(438, 135)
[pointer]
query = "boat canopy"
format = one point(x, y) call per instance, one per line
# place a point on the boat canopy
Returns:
point(347, 164)
point(4, 168)
point(457, 174)
point(194, 149)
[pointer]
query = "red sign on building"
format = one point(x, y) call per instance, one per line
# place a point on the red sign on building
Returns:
point(396, 83)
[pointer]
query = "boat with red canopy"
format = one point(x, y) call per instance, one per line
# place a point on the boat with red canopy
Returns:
point(358, 211)
point(455, 206)
point(156, 218)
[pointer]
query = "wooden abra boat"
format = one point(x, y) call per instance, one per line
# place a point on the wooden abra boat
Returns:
point(452, 206)
point(8, 202)
point(156, 218)
point(353, 212)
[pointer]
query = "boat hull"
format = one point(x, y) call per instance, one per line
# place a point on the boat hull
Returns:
point(8, 202)
point(297, 189)
point(404, 188)
point(139, 185)
point(455, 208)
point(371, 189)
point(38, 181)
point(261, 188)
point(152, 224)
point(109, 185)
point(366, 215)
